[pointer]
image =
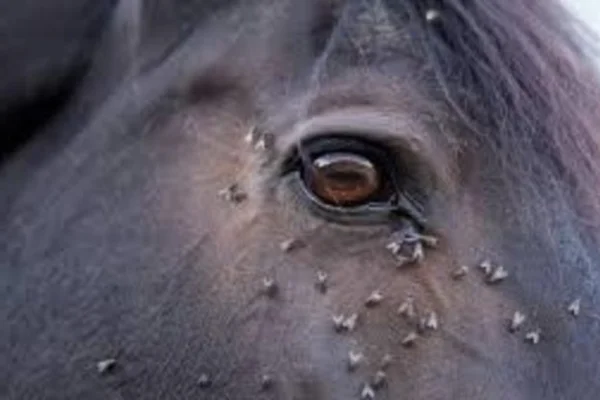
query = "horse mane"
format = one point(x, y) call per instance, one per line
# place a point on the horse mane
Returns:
point(517, 75)
point(520, 80)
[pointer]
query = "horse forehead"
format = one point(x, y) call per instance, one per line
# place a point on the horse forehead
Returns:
point(372, 28)
point(369, 28)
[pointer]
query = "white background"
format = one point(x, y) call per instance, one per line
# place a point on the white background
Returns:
point(589, 12)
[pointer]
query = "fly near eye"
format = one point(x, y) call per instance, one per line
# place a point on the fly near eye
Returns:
point(343, 179)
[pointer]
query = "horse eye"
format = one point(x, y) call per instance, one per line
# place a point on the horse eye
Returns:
point(343, 179)
point(344, 174)
point(348, 179)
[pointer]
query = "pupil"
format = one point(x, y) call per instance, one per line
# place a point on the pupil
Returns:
point(344, 178)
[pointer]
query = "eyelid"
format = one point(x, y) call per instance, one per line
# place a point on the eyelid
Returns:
point(401, 132)
point(385, 126)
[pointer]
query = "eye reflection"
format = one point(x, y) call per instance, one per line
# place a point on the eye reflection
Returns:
point(343, 179)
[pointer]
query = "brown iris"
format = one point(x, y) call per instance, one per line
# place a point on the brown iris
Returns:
point(344, 179)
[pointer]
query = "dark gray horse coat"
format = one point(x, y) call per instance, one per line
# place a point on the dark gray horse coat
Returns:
point(298, 199)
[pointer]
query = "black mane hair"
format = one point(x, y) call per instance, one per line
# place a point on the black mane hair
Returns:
point(519, 77)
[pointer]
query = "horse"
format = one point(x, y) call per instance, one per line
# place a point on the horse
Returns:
point(299, 199)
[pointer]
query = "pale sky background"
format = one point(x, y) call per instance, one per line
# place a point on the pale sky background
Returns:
point(589, 12)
